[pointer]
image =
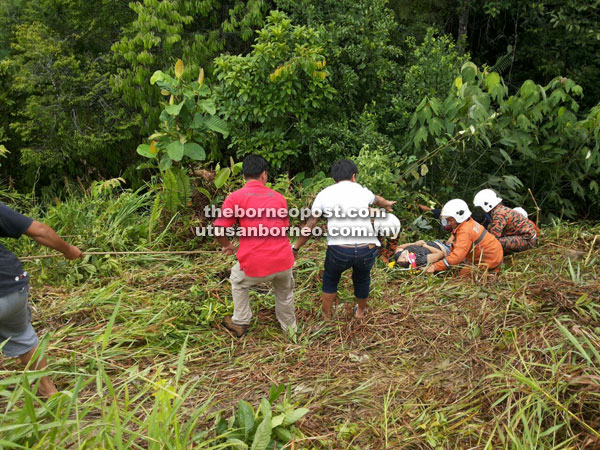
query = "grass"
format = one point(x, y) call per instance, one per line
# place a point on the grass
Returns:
point(137, 349)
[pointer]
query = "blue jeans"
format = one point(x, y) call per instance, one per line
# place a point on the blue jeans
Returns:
point(339, 259)
point(16, 331)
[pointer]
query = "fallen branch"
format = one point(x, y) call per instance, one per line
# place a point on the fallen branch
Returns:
point(537, 209)
point(146, 252)
point(590, 252)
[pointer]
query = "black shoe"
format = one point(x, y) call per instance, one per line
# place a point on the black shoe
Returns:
point(237, 330)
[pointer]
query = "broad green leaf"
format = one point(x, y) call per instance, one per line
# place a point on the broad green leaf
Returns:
point(436, 126)
point(165, 162)
point(420, 135)
point(179, 68)
point(197, 121)
point(436, 106)
point(283, 434)
point(468, 71)
point(222, 177)
point(506, 156)
point(492, 80)
point(237, 168)
point(245, 417)
point(294, 416)
point(216, 124)
point(174, 109)
point(277, 420)
point(421, 104)
point(275, 391)
point(262, 435)
point(265, 408)
point(205, 192)
point(201, 77)
point(458, 82)
point(194, 151)
point(208, 106)
point(144, 150)
point(175, 150)
point(528, 88)
point(236, 444)
point(157, 76)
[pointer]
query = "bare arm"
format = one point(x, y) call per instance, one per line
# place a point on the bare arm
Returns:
point(380, 201)
point(43, 234)
point(403, 246)
point(310, 224)
point(433, 249)
point(435, 255)
point(228, 247)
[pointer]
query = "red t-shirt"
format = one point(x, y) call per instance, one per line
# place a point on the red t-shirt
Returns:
point(268, 250)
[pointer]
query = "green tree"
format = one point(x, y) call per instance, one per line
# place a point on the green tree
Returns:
point(11, 12)
point(539, 40)
point(269, 94)
point(431, 66)
point(188, 125)
point(358, 46)
point(65, 116)
point(62, 117)
point(481, 136)
point(164, 31)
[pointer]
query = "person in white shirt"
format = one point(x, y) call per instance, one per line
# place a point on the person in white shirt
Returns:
point(351, 239)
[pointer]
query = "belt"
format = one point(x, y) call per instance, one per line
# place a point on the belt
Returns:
point(354, 245)
point(480, 238)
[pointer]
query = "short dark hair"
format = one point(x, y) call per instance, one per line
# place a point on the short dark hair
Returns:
point(479, 216)
point(254, 165)
point(343, 169)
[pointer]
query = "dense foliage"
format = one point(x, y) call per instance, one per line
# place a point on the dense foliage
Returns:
point(306, 82)
point(479, 135)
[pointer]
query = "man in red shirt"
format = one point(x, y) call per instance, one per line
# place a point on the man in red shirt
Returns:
point(265, 253)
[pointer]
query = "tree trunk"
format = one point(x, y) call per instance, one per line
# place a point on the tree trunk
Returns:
point(463, 24)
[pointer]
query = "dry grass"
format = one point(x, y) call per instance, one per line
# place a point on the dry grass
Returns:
point(438, 362)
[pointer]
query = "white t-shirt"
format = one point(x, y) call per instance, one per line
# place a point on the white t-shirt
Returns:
point(346, 207)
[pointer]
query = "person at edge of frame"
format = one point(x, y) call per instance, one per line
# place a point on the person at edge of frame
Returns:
point(16, 332)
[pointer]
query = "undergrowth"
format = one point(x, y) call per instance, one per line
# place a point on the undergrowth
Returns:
point(136, 348)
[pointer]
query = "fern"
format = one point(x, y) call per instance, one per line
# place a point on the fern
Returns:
point(170, 193)
point(176, 189)
point(183, 186)
point(504, 62)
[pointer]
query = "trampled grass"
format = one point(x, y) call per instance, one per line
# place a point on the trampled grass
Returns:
point(439, 362)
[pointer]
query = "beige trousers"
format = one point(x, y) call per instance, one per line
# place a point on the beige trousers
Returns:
point(283, 285)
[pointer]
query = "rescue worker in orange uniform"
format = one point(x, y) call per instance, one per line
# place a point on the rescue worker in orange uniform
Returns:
point(473, 245)
point(513, 229)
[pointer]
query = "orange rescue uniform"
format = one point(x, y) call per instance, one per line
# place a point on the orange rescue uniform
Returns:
point(473, 245)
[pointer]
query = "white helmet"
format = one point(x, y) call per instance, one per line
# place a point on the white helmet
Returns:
point(521, 211)
point(456, 208)
point(486, 200)
point(388, 226)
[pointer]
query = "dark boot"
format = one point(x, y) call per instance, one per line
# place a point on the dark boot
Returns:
point(237, 330)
